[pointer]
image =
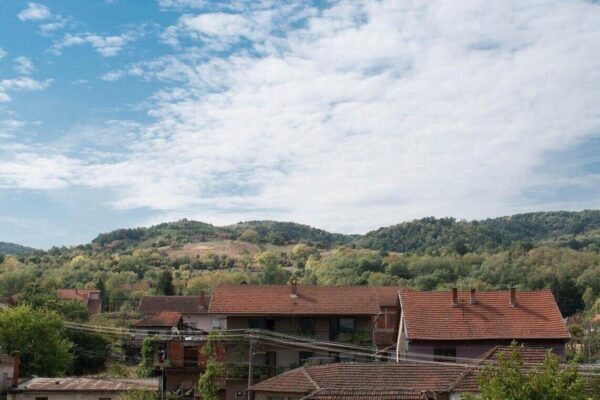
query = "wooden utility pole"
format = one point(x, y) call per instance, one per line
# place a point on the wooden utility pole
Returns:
point(250, 354)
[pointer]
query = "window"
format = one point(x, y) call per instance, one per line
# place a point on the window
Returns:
point(268, 324)
point(447, 354)
point(41, 398)
point(347, 325)
point(341, 326)
point(305, 356)
point(307, 326)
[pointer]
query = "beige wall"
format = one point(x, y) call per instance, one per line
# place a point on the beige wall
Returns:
point(65, 396)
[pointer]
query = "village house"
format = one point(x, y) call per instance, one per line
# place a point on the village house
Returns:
point(193, 309)
point(89, 297)
point(332, 314)
point(162, 323)
point(75, 388)
point(456, 325)
point(7, 369)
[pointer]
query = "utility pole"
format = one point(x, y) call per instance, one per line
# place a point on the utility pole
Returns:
point(250, 354)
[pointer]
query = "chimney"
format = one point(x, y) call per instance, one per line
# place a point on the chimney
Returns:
point(202, 299)
point(513, 297)
point(294, 284)
point(16, 368)
point(454, 297)
point(473, 296)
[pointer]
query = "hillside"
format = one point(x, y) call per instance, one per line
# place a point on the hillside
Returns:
point(573, 229)
point(12, 248)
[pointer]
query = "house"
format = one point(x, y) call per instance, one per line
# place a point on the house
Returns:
point(163, 323)
point(333, 314)
point(89, 297)
point(374, 381)
point(7, 369)
point(78, 388)
point(193, 309)
point(446, 326)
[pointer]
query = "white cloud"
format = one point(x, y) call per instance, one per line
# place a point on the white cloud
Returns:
point(35, 12)
point(24, 65)
point(21, 84)
point(368, 114)
point(2, 53)
point(106, 46)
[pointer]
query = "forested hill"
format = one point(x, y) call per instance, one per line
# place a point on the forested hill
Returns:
point(186, 231)
point(12, 248)
point(577, 230)
point(573, 229)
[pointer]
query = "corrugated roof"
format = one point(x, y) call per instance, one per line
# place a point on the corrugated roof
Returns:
point(86, 385)
point(150, 305)
point(310, 300)
point(431, 316)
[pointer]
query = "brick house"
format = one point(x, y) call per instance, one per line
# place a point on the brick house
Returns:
point(338, 314)
point(193, 309)
point(89, 297)
point(446, 326)
point(162, 323)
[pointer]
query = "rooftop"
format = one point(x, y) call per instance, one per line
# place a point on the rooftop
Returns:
point(181, 304)
point(432, 316)
point(85, 385)
point(165, 319)
point(309, 300)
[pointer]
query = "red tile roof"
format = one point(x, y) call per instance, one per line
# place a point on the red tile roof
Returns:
point(94, 306)
point(387, 295)
point(370, 394)
point(150, 305)
point(431, 316)
point(387, 377)
point(86, 385)
point(166, 319)
point(277, 300)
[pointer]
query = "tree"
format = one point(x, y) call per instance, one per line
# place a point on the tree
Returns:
point(38, 335)
point(508, 379)
point(208, 384)
point(91, 352)
point(250, 235)
point(149, 347)
point(138, 394)
point(165, 283)
point(271, 273)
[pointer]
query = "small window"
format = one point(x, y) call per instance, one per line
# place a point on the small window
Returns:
point(447, 354)
point(41, 398)
point(307, 326)
point(268, 324)
point(347, 325)
point(305, 356)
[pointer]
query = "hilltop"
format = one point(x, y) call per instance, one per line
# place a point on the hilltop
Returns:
point(12, 248)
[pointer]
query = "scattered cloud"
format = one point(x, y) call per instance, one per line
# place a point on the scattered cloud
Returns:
point(106, 46)
point(2, 53)
point(346, 118)
point(35, 12)
point(21, 84)
point(23, 65)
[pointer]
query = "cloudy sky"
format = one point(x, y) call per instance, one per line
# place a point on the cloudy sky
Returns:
point(345, 115)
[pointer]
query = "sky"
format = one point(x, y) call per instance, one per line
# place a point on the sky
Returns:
point(344, 115)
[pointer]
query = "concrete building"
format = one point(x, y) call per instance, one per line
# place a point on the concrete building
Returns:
point(78, 388)
point(455, 325)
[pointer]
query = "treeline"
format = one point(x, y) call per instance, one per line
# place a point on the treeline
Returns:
point(12, 248)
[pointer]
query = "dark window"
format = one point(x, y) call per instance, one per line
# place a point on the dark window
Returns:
point(447, 354)
point(339, 326)
point(305, 356)
point(268, 324)
point(307, 326)
point(41, 398)
point(347, 325)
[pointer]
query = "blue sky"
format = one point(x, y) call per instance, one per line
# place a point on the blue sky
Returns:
point(345, 115)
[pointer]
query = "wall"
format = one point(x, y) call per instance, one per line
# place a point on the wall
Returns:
point(199, 321)
point(6, 375)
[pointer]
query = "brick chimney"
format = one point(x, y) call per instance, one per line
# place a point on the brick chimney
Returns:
point(294, 287)
point(473, 296)
point(202, 299)
point(513, 297)
point(454, 297)
point(16, 368)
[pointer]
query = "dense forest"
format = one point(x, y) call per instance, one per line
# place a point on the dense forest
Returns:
point(12, 248)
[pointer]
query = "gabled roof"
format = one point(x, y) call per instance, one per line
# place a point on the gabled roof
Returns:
point(85, 385)
point(310, 300)
point(338, 379)
point(370, 394)
point(467, 382)
point(431, 316)
point(182, 304)
point(387, 295)
point(166, 319)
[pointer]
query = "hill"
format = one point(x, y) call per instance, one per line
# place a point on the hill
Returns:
point(12, 248)
point(573, 229)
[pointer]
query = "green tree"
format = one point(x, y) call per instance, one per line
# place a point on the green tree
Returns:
point(165, 283)
point(90, 352)
point(139, 394)
point(208, 384)
point(38, 335)
point(508, 379)
point(271, 273)
point(250, 235)
point(146, 367)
